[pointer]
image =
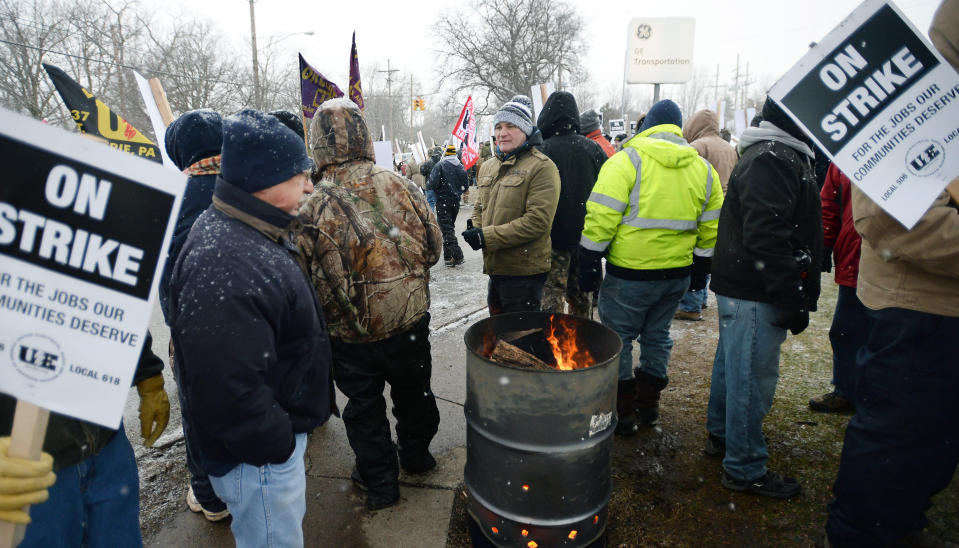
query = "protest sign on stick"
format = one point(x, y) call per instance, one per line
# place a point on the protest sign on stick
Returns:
point(883, 104)
point(465, 131)
point(84, 232)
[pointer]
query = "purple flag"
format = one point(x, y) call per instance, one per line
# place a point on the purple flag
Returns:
point(314, 88)
point(356, 92)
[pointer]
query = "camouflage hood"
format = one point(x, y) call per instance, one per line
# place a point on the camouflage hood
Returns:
point(338, 134)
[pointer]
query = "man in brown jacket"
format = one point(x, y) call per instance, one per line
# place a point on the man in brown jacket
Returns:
point(518, 190)
point(702, 133)
point(902, 446)
point(369, 240)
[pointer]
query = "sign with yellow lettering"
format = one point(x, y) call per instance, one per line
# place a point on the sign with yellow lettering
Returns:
point(95, 118)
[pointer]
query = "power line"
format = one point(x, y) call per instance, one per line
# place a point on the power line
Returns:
point(114, 63)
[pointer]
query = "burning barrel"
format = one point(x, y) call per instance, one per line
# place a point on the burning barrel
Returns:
point(539, 435)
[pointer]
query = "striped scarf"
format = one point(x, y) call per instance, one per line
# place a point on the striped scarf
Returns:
point(206, 166)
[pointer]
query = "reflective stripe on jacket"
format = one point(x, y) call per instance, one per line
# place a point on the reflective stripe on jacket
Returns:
point(655, 204)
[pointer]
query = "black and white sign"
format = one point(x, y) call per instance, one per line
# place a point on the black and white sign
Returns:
point(617, 126)
point(883, 103)
point(84, 231)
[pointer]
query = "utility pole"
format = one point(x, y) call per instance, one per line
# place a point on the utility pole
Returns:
point(716, 88)
point(256, 65)
point(736, 83)
point(746, 82)
point(389, 91)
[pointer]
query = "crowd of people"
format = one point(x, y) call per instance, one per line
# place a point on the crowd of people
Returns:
point(291, 270)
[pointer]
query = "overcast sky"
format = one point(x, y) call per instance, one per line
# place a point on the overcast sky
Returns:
point(771, 35)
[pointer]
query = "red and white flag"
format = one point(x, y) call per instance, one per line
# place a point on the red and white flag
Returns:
point(465, 131)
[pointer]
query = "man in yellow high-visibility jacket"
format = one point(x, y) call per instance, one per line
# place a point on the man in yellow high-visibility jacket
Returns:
point(653, 214)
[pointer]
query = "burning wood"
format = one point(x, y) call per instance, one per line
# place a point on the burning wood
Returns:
point(554, 348)
point(507, 353)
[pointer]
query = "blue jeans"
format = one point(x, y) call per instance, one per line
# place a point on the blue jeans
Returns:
point(745, 373)
point(267, 502)
point(902, 445)
point(694, 301)
point(848, 333)
point(431, 199)
point(642, 309)
point(95, 502)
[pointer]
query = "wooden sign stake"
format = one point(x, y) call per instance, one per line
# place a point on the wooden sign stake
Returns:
point(26, 442)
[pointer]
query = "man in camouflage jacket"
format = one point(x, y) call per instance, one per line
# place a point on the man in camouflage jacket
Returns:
point(369, 240)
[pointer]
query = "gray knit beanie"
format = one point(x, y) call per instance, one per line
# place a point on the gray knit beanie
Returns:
point(589, 122)
point(519, 112)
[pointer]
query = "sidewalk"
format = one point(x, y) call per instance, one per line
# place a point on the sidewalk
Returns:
point(336, 514)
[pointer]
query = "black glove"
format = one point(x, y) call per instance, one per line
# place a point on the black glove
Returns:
point(590, 272)
point(699, 273)
point(826, 260)
point(791, 313)
point(474, 236)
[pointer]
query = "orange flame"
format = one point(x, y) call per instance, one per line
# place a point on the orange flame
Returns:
point(562, 337)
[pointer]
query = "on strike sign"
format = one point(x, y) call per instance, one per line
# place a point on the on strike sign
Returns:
point(883, 104)
point(84, 231)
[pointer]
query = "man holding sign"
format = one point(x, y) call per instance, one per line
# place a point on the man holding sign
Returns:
point(95, 500)
point(83, 234)
point(902, 446)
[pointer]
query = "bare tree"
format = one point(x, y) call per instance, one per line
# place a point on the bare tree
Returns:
point(503, 47)
point(195, 69)
point(28, 30)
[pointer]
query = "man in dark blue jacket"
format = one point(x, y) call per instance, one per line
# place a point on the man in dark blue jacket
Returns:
point(448, 180)
point(193, 142)
point(251, 344)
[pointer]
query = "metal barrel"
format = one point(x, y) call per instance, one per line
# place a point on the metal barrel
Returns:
point(539, 443)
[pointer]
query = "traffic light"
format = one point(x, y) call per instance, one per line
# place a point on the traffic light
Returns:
point(419, 104)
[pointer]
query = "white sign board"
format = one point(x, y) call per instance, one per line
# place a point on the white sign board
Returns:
point(660, 50)
point(153, 111)
point(383, 151)
point(84, 231)
point(539, 94)
point(878, 98)
point(616, 127)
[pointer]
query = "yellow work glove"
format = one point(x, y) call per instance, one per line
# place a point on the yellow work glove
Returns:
point(22, 482)
point(154, 409)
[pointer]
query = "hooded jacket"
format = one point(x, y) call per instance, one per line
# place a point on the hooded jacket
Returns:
point(702, 133)
point(196, 135)
point(448, 179)
point(369, 236)
point(517, 200)
point(655, 205)
point(772, 212)
point(578, 160)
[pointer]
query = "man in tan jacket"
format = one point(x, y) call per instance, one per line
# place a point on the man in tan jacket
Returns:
point(518, 190)
point(902, 446)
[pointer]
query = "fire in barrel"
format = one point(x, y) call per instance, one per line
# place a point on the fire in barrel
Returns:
point(540, 414)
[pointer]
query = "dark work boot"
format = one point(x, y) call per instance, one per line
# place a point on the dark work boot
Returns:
point(625, 408)
point(384, 496)
point(648, 388)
